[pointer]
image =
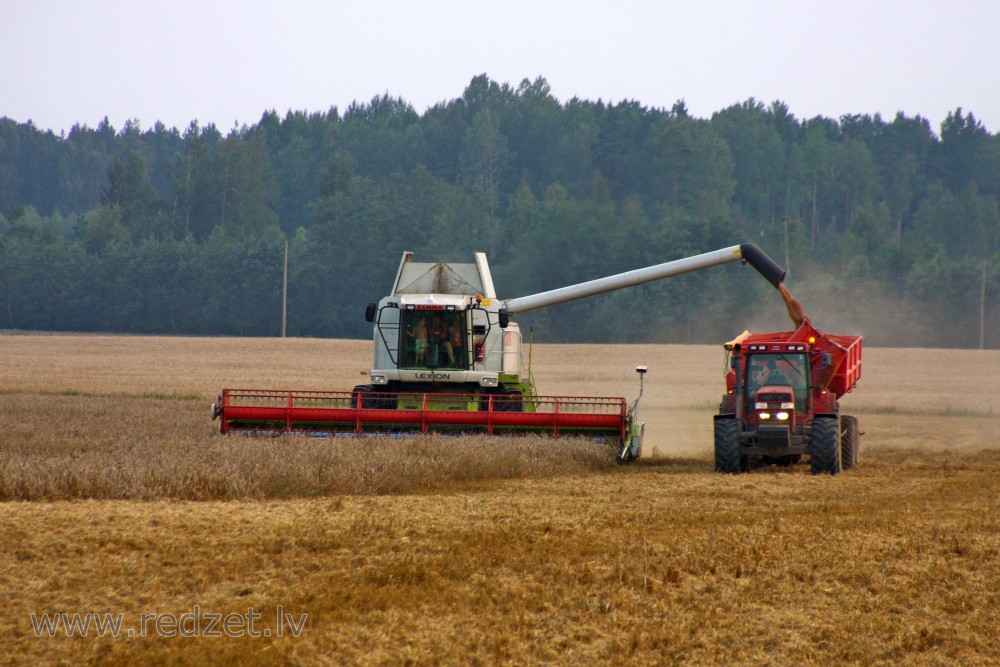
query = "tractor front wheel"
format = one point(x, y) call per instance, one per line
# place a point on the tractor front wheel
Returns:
point(824, 448)
point(727, 448)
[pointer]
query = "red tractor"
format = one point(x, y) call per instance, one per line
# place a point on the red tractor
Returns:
point(782, 401)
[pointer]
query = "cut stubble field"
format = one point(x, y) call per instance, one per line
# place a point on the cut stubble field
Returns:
point(121, 498)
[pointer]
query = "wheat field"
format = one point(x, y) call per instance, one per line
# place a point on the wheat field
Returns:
point(122, 500)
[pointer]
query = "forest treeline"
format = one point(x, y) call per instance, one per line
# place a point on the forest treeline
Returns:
point(888, 227)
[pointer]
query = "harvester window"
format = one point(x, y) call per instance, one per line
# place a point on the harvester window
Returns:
point(434, 339)
point(458, 340)
point(413, 344)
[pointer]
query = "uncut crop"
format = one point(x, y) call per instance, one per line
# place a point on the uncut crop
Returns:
point(142, 449)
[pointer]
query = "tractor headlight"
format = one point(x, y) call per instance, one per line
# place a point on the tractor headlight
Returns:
point(781, 416)
point(378, 379)
point(787, 406)
point(489, 382)
point(760, 406)
point(764, 416)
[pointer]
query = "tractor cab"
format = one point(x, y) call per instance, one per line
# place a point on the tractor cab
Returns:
point(779, 373)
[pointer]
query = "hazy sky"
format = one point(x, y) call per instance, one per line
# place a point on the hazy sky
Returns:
point(228, 61)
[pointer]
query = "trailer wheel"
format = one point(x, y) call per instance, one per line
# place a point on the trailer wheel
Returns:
point(824, 448)
point(849, 444)
point(727, 448)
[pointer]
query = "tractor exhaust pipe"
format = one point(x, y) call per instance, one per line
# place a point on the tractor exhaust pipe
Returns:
point(738, 368)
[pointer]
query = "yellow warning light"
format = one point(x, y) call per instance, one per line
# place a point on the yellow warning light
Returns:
point(812, 339)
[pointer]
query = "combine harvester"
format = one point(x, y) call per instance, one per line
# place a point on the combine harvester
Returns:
point(448, 359)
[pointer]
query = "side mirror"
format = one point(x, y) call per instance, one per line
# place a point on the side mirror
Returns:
point(370, 312)
point(504, 318)
point(826, 360)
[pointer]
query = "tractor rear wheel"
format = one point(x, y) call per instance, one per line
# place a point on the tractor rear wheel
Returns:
point(727, 448)
point(849, 444)
point(824, 448)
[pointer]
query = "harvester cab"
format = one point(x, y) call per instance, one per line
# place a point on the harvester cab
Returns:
point(441, 331)
point(782, 400)
point(448, 358)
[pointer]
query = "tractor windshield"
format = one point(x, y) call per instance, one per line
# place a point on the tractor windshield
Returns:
point(434, 339)
point(779, 369)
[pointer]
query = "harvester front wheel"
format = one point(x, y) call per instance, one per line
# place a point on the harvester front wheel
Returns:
point(510, 400)
point(359, 395)
point(824, 447)
point(849, 450)
point(727, 448)
point(367, 396)
point(504, 400)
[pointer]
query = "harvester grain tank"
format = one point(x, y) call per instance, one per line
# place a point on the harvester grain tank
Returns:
point(448, 358)
point(782, 399)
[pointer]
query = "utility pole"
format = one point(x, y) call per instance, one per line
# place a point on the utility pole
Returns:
point(788, 269)
point(982, 308)
point(284, 295)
